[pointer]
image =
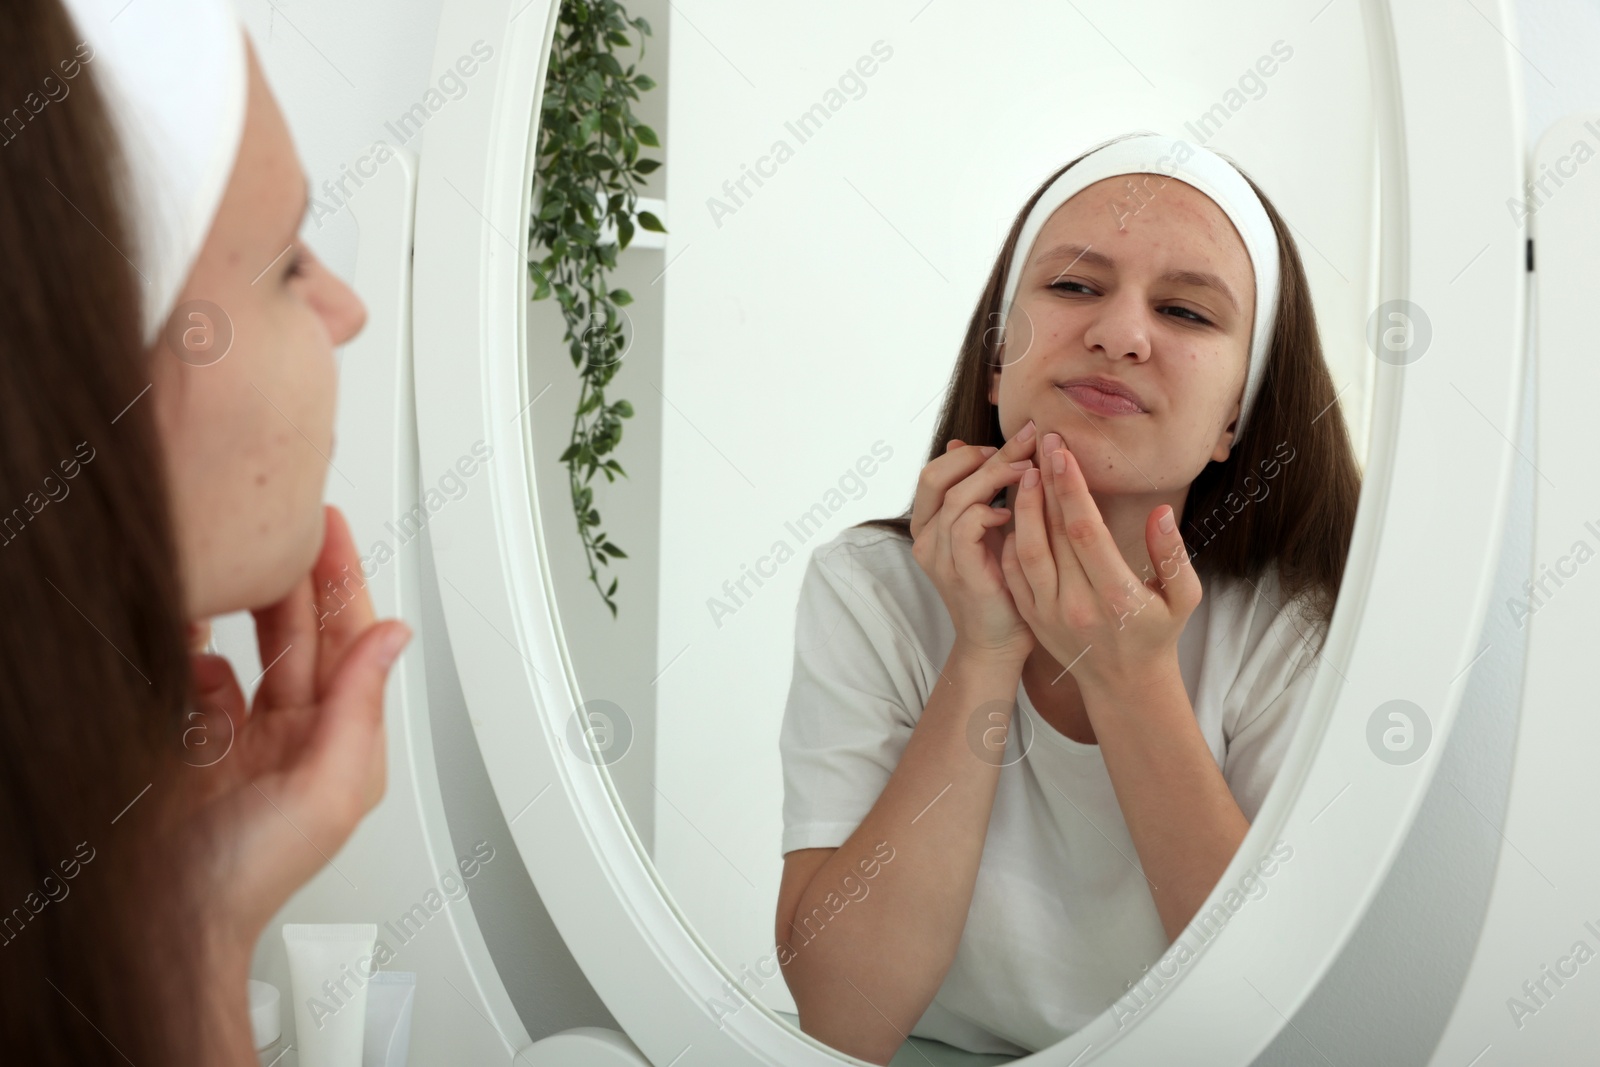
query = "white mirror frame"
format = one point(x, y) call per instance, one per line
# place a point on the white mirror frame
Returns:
point(1406, 627)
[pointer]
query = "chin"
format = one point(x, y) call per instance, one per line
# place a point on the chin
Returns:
point(278, 564)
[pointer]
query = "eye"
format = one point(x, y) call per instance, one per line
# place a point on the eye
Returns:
point(1192, 316)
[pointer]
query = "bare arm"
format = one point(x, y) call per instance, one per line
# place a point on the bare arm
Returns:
point(1182, 817)
point(863, 973)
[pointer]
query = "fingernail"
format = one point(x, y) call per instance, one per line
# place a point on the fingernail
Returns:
point(1030, 479)
point(393, 643)
point(989, 450)
point(1165, 522)
point(1027, 431)
point(1021, 464)
point(1058, 460)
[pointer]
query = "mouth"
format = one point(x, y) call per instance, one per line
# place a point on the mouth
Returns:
point(1102, 396)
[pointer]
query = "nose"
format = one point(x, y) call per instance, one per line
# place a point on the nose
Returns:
point(356, 320)
point(346, 313)
point(1121, 326)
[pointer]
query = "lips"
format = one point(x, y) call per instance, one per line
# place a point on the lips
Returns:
point(1102, 396)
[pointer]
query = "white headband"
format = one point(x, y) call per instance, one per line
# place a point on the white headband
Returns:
point(1172, 157)
point(174, 75)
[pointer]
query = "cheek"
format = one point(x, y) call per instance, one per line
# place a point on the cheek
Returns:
point(289, 422)
point(306, 377)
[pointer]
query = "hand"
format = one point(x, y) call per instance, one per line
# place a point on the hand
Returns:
point(1071, 584)
point(956, 539)
point(308, 761)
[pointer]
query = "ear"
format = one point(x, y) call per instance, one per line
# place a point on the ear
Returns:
point(1226, 438)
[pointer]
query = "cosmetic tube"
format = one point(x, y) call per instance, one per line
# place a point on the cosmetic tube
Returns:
point(330, 965)
point(390, 995)
point(266, 1023)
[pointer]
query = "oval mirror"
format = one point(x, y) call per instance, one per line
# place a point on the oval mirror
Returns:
point(1082, 865)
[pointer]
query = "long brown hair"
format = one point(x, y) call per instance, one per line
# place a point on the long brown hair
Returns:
point(100, 958)
point(1287, 492)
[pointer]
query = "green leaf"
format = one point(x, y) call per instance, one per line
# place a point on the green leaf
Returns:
point(623, 409)
point(650, 222)
point(612, 550)
point(621, 297)
point(646, 136)
point(646, 166)
point(645, 82)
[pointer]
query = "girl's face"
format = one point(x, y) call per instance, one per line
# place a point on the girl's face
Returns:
point(247, 437)
point(1161, 303)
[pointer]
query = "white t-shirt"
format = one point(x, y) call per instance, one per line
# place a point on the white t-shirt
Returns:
point(1061, 920)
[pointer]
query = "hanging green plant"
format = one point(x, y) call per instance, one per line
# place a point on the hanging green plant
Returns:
point(585, 169)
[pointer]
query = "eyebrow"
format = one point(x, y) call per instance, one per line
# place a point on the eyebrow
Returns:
point(1077, 252)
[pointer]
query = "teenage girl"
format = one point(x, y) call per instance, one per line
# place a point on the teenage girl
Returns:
point(149, 482)
point(1025, 737)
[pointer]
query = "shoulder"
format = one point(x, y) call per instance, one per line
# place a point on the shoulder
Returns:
point(871, 572)
point(868, 555)
point(1269, 640)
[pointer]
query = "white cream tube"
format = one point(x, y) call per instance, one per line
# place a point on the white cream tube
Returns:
point(390, 995)
point(329, 967)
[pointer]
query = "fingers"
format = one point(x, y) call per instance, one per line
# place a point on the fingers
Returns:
point(968, 551)
point(1175, 577)
point(199, 635)
point(343, 603)
point(1022, 592)
point(343, 767)
point(1032, 541)
point(212, 722)
point(1003, 468)
point(959, 461)
point(958, 466)
point(1094, 564)
point(286, 641)
point(1072, 581)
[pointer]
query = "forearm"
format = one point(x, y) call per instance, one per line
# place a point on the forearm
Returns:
point(225, 1019)
point(862, 981)
point(1182, 817)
